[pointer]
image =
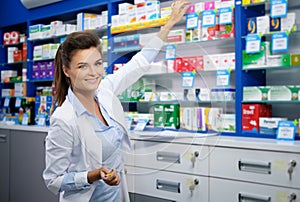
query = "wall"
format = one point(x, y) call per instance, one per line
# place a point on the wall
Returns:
point(12, 12)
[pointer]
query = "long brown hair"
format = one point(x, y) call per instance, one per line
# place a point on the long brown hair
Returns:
point(75, 41)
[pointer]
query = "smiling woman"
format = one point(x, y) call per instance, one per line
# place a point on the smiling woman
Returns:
point(88, 136)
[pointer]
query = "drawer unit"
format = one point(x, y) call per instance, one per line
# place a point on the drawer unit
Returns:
point(274, 168)
point(234, 191)
point(182, 158)
point(169, 185)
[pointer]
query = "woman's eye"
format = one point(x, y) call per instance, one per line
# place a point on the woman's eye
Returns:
point(82, 67)
point(98, 64)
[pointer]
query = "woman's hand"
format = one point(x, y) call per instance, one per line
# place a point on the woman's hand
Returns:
point(179, 8)
point(110, 177)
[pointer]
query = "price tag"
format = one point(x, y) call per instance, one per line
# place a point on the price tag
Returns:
point(225, 16)
point(191, 21)
point(208, 18)
point(188, 79)
point(223, 78)
point(141, 125)
point(280, 42)
point(170, 52)
point(18, 102)
point(25, 119)
point(42, 120)
point(6, 102)
point(253, 42)
point(279, 8)
point(286, 130)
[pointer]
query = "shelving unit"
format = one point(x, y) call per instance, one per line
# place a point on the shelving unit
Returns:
point(240, 76)
point(266, 75)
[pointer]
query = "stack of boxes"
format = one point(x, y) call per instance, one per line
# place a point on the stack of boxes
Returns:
point(202, 119)
point(203, 63)
point(140, 11)
point(90, 21)
point(265, 58)
point(200, 31)
point(55, 28)
point(14, 54)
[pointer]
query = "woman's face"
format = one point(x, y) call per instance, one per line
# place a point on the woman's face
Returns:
point(86, 70)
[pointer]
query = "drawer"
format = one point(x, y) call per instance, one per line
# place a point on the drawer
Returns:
point(228, 190)
point(169, 185)
point(256, 166)
point(182, 158)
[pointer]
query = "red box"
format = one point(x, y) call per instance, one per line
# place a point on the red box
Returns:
point(178, 65)
point(199, 63)
point(251, 114)
point(24, 52)
point(193, 62)
point(17, 55)
point(14, 37)
point(6, 38)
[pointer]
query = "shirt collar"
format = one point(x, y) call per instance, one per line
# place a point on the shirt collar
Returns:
point(78, 107)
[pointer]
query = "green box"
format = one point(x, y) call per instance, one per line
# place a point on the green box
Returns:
point(255, 59)
point(172, 112)
point(159, 115)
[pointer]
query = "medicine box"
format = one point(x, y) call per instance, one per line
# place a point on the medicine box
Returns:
point(269, 125)
point(152, 10)
point(284, 93)
point(255, 59)
point(226, 123)
point(255, 93)
point(211, 115)
point(251, 114)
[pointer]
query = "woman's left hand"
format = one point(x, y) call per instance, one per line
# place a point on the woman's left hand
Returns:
point(179, 8)
point(112, 178)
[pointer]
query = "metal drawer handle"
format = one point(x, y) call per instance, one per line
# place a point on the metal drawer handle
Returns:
point(169, 186)
point(255, 166)
point(168, 157)
point(245, 197)
point(3, 138)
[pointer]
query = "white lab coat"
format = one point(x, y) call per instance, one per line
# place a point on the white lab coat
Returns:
point(80, 148)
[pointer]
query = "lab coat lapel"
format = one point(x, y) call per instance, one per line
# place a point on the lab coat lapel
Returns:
point(91, 144)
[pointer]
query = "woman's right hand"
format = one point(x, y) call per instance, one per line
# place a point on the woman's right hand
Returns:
point(110, 177)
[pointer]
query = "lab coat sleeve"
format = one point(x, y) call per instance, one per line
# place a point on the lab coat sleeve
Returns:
point(59, 142)
point(134, 69)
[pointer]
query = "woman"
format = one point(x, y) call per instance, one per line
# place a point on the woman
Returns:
point(88, 133)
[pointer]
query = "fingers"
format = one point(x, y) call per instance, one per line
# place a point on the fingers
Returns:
point(112, 178)
point(179, 5)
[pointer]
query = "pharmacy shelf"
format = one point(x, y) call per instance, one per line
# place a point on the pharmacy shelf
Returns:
point(138, 26)
point(270, 68)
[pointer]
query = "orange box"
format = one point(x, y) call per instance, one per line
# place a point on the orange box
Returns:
point(17, 55)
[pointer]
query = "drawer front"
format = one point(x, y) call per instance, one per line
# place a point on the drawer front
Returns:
point(169, 156)
point(234, 191)
point(169, 185)
point(256, 166)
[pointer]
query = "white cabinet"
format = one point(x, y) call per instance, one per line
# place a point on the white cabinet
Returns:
point(235, 191)
point(169, 185)
point(266, 167)
point(181, 158)
point(226, 169)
